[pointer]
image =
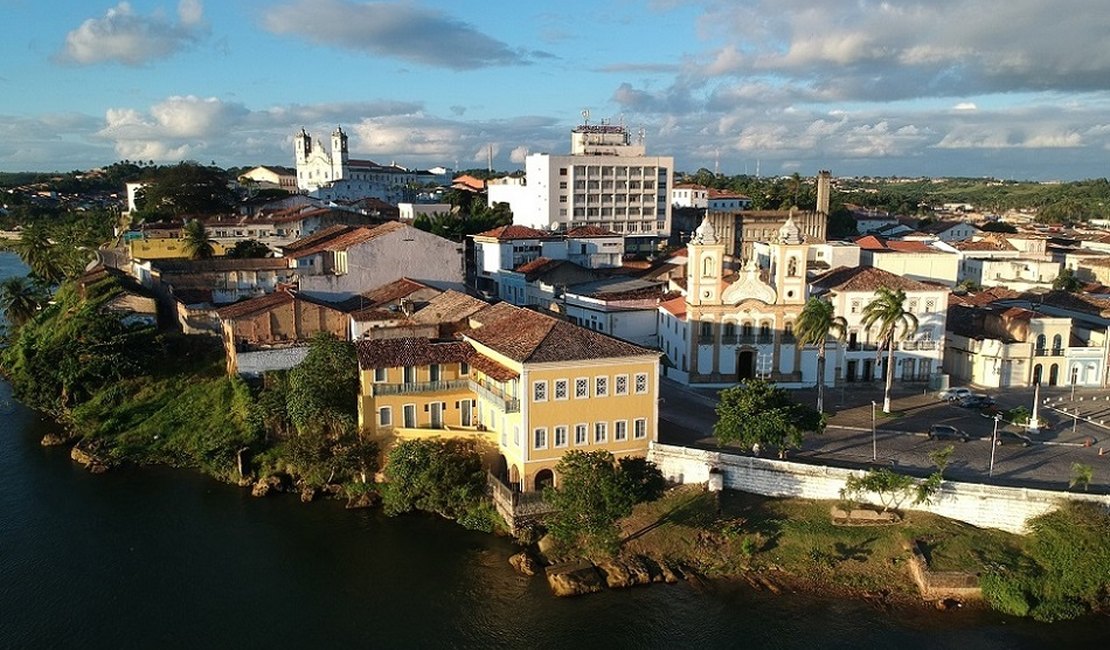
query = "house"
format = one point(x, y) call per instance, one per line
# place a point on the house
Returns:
point(950, 231)
point(915, 260)
point(163, 241)
point(918, 357)
point(271, 177)
point(725, 201)
point(691, 195)
point(531, 386)
point(279, 320)
point(129, 300)
point(341, 262)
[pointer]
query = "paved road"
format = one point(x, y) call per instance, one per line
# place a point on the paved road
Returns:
point(687, 417)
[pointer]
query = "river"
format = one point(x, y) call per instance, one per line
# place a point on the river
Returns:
point(162, 558)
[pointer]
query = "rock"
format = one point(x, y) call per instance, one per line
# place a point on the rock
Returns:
point(266, 485)
point(331, 489)
point(308, 494)
point(948, 604)
point(54, 440)
point(546, 546)
point(573, 579)
point(619, 574)
point(524, 562)
point(92, 463)
point(670, 575)
point(364, 500)
point(245, 481)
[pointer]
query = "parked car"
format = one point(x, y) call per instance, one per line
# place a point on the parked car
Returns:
point(946, 432)
point(975, 401)
point(953, 394)
point(1011, 438)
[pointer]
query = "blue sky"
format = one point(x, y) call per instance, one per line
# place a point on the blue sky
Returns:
point(1004, 88)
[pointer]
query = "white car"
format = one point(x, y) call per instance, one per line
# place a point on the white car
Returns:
point(953, 394)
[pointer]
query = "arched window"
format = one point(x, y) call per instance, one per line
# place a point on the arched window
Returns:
point(730, 329)
point(707, 266)
point(765, 333)
point(1057, 344)
point(1041, 342)
point(792, 267)
point(746, 330)
point(788, 332)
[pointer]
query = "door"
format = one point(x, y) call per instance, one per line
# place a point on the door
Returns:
point(410, 416)
point(465, 416)
point(745, 365)
point(868, 370)
point(850, 373)
point(436, 410)
point(1053, 374)
point(1037, 374)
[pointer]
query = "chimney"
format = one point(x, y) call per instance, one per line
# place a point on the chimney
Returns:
point(824, 183)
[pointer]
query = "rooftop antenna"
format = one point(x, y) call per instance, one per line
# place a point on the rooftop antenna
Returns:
point(717, 162)
point(489, 157)
point(757, 167)
point(640, 135)
point(585, 117)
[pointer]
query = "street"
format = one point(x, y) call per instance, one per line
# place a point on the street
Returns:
point(687, 417)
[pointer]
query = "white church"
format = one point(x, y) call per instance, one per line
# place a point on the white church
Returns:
point(335, 176)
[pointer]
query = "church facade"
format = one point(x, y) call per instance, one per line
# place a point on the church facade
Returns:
point(726, 329)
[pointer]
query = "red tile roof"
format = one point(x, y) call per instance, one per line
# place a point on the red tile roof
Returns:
point(592, 231)
point(911, 247)
point(344, 240)
point(868, 278)
point(513, 231)
point(527, 336)
point(676, 306)
point(395, 353)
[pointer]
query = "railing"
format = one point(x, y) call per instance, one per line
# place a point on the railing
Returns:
point(420, 387)
point(867, 347)
point(705, 340)
point(507, 403)
point(1057, 352)
point(1040, 352)
point(919, 345)
point(729, 339)
point(518, 503)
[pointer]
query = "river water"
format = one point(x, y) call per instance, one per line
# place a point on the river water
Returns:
point(163, 558)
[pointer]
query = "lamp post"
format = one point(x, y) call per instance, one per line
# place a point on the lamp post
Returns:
point(1075, 420)
point(994, 444)
point(874, 448)
point(1033, 425)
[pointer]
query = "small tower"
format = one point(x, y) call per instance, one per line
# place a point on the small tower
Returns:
point(302, 146)
point(788, 263)
point(705, 260)
point(338, 154)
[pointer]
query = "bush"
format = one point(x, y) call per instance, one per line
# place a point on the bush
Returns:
point(482, 516)
point(592, 495)
point(444, 476)
point(643, 477)
point(1005, 593)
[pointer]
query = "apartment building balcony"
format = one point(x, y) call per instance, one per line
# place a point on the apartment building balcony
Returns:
point(1040, 352)
point(420, 387)
point(504, 401)
point(862, 347)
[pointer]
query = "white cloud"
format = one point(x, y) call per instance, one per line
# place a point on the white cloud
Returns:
point(518, 154)
point(123, 36)
point(965, 106)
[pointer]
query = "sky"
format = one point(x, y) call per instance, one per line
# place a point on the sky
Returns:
point(1016, 89)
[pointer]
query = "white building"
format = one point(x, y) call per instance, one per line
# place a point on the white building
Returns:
point(271, 177)
point(607, 181)
point(335, 176)
point(1016, 274)
point(722, 201)
point(690, 195)
point(917, 358)
point(506, 248)
point(410, 211)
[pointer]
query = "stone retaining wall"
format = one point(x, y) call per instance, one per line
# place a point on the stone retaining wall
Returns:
point(986, 506)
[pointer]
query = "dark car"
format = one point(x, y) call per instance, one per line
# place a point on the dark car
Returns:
point(976, 401)
point(946, 432)
point(1011, 438)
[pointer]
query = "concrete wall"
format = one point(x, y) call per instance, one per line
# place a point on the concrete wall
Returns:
point(986, 506)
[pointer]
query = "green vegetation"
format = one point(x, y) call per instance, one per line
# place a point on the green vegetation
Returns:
point(198, 245)
point(1065, 572)
point(817, 322)
point(888, 311)
point(248, 248)
point(185, 189)
point(1067, 281)
point(440, 475)
point(756, 412)
point(1081, 475)
point(323, 389)
point(21, 299)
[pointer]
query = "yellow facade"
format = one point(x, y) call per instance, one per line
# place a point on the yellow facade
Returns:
point(164, 248)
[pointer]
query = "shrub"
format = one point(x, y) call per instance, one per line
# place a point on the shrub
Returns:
point(1005, 593)
point(643, 478)
point(435, 475)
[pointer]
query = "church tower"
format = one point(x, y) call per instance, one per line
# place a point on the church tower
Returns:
point(788, 263)
point(338, 154)
point(302, 148)
point(705, 256)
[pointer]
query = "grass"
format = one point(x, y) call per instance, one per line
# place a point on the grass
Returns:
point(731, 533)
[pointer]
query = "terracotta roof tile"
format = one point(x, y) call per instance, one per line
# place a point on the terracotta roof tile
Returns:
point(491, 368)
point(528, 336)
point(449, 307)
point(867, 278)
point(387, 293)
point(395, 353)
point(251, 306)
point(592, 231)
point(343, 241)
point(513, 231)
point(676, 306)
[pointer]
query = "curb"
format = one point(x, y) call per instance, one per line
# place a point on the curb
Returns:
point(1048, 443)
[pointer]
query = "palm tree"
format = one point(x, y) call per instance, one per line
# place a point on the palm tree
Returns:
point(20, 299)
point(40, 253)
point(815, 324)
point(887, 309)
point(197, 242)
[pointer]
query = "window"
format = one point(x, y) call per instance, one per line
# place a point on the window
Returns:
point(601, 432)
point(580, 435)
point(639, 428)
point(433, 372)
point(601, 386)
point(410, 375)
point(379, 375)
point(855, 306)
point(385, 416)
point(620, 430)
point(641, 383)
point(581, 388)
point(560, 436)
point(516, 435)
point(560, 389)
point(621, 385)
point(539, 391)
point(930, 306)
point(539, 438)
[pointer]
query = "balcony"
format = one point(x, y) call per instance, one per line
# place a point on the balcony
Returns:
point(420, 387)
point(1040, 352)
point(862, 347)
point(1057, 352)
point(507, 403)
point(919, 345)
point(705, 340)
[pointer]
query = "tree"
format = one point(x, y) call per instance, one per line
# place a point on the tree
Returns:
point(198, 244)
point(1081, 475)
point(320, 459)
point(998, 226)
point(887, 310)
point(756, 412)
point(440, 475)
point(323, 389)
point(39, 253)
point(817, 321)
point(246, 248)
point(1066, 281)
point(184, 189)
point(643, 478)
point(21, 299)
point(591, 497)
point(893, 489)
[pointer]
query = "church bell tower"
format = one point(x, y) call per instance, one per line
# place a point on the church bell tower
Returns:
point(704, 264)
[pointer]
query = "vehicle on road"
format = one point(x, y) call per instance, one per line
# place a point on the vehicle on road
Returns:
point(947, 432)
point(1012, 438)
point(953, 394)
point(975, 401)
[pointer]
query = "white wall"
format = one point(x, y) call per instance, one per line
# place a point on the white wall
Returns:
point(986, 506)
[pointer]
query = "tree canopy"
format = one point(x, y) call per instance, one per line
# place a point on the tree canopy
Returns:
point(592, 495)
point(185, 189)
point(323, 389)
point(756, 412)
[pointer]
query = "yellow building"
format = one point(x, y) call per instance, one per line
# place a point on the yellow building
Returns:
point(164, 248)
point(531, 385)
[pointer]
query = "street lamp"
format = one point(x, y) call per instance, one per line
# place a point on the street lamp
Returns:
point(994, 444)
point(874, 448)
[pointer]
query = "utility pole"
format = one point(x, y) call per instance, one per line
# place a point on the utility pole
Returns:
point(994, 444)
point(874, 446)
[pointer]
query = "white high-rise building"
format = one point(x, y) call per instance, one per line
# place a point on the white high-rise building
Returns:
point(607, 181)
